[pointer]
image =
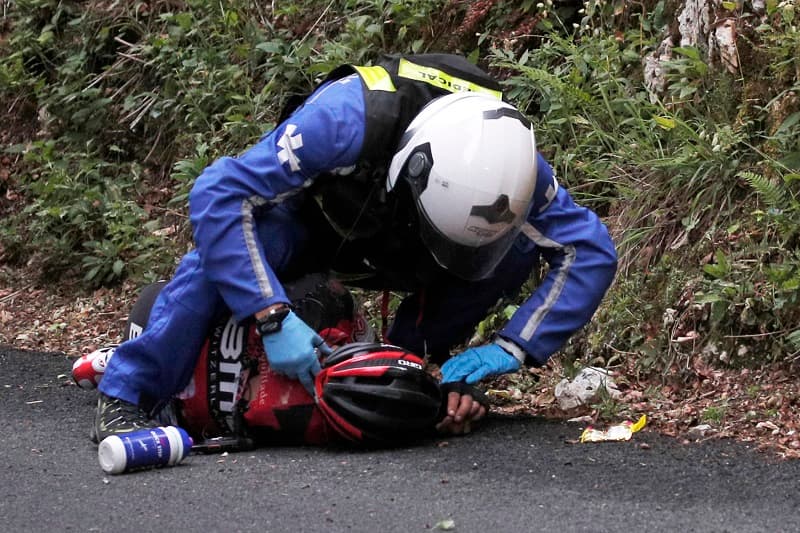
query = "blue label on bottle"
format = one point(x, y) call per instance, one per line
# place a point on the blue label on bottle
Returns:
point(148, 447)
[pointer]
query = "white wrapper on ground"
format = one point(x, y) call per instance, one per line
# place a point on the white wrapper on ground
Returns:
point(586, 388)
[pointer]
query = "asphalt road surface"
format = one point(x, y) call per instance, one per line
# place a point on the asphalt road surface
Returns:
point(513, 474)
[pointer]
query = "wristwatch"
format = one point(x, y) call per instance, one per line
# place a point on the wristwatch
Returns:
point(272, 322)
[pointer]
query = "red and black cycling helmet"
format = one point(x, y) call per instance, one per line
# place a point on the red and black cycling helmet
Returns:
point(377, 393)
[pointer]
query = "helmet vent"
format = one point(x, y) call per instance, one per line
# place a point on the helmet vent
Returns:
point(507, 112)
point(495, 213)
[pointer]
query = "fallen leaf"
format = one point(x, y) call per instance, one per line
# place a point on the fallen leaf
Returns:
point(767, 425)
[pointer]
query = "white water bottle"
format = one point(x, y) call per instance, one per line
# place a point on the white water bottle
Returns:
point(145, 448)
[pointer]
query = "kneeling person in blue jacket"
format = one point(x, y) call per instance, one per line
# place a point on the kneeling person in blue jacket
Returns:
point(412, 175)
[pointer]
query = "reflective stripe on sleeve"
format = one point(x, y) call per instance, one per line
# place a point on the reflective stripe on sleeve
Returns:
point(250, 239)
point(560, 280)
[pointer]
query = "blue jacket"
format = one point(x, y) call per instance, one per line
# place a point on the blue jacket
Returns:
point(325, 136)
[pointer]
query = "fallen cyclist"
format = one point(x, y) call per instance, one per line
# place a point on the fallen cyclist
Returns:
point(367, 393)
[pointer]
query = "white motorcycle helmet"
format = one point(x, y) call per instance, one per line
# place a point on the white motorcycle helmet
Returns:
point(470, 162)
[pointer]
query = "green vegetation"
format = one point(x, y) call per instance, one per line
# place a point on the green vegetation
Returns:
point(115, 108)
point(714, 414)
point(699, 183)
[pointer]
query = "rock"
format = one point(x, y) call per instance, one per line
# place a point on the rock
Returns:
point(654, 73)
point(700, 431)
point(586, 388)
point(724, 40)
point(700, 27)
point(669, 317)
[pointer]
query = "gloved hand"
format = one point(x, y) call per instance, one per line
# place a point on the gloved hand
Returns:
point(474, 364)
point(462, 406)
point(294, 350)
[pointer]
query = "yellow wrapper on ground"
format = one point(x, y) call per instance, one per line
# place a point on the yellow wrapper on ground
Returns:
point(617, 432)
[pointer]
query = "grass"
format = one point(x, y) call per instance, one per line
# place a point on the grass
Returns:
point(698, 183)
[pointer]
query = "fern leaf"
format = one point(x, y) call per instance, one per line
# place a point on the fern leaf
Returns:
point(544, 78)
point(774, 194)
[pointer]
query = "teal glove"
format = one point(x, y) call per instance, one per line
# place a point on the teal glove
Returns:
point(294, 351)
point(475, 364)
